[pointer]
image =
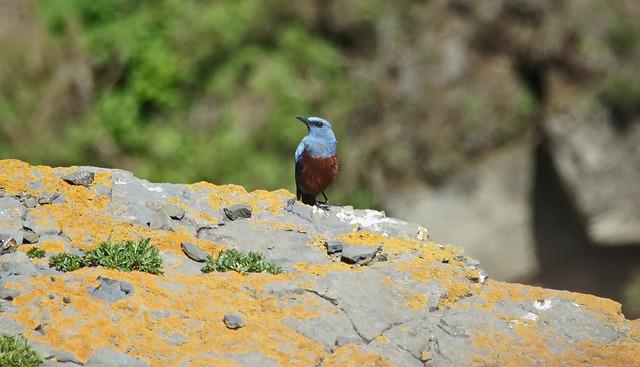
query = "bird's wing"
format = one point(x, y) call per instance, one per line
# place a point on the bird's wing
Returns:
point(298, 158)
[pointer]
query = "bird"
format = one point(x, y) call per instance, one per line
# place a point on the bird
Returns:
point(316, 160)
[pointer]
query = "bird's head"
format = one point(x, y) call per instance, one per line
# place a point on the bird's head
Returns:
point(319, 128)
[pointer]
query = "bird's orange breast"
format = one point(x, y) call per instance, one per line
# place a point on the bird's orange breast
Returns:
point(317, 173)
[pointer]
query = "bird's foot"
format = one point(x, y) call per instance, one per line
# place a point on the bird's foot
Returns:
point(326, 205)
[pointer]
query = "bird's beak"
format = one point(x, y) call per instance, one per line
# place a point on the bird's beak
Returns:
point(303, 119)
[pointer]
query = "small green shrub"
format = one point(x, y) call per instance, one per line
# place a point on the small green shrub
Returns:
point(126, 256)
point(233, 259)
point(36, 252)
point(67, 262)
point(16, 352)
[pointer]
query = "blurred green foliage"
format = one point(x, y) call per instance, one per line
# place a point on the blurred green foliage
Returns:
point(184, 91)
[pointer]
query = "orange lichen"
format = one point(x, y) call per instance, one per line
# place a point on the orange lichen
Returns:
point(53, 246)
point(350, 355)
point(11, 169)
point(278, 226)
point(383, 339)
point(103, 178)
point(455, 292)
point(416, 301)
point(273, 199)
point(323, 269)
point(362, 238)
point(387, 281)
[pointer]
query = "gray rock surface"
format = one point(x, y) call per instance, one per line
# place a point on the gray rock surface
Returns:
point(238, 211)
point(233, 321)
point(194, 252)
point(359, 254)
point(111, 290)
point(419, 304)
point(110, 358)
point(83, 178)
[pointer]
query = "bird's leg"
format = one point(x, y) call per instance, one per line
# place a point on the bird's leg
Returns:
point(326, 204)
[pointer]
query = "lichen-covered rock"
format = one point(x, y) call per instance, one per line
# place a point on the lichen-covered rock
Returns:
point(422, 303)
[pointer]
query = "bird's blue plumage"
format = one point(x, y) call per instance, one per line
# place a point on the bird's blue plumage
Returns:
point(320, 142)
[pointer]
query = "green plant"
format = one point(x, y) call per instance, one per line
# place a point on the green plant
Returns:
point(126, 256)
point(15, 351)
point(67, 262)
point(233, 259)
point(36, 252)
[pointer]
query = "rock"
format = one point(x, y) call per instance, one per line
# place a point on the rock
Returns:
point(29, 201)
point(160, 220)
point(173, 211)
point(65, 356)
point(10, 326)
point(10, 239)
point(176, 339)
point(43, 349)
point(238, 211)
point(39, 329)
point(44, 226)
point(344, 340)
point(30, 236)
point(597, 164)
point(51, 198)
point(301, 210)
point(427, 304)
point(83, 178)
point(194, 252)
point(358, 254)
point(108, 357)
point(334, 247)
point(111, 290)
point(18, 264)
point(102, 190)
point(233, 321)
point(9, 294)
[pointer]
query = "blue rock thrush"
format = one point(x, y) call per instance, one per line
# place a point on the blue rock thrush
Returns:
point(316, 160)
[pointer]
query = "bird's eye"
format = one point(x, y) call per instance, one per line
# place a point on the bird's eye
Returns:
point(319, 123)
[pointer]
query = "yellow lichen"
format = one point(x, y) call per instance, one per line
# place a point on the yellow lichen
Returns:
point(416, 301)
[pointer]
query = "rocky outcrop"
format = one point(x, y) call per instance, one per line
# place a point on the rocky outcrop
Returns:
point(358, 288)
